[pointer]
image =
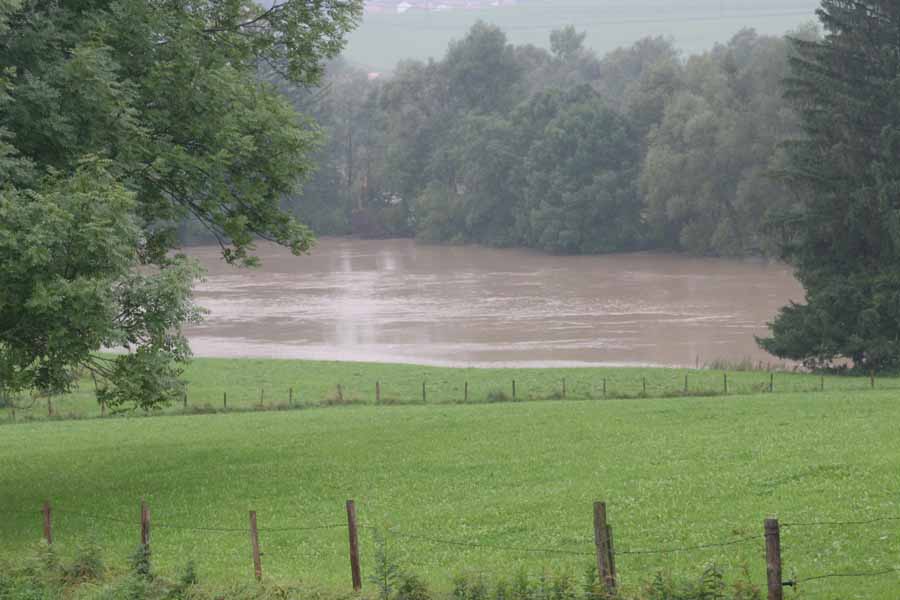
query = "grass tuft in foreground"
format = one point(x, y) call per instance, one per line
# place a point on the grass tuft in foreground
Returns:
point(44, 576)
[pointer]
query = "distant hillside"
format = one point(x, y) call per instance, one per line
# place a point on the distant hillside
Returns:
point(425, 27)
point(402, 6)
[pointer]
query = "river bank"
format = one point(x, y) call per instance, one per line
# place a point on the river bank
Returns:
point(231, 385)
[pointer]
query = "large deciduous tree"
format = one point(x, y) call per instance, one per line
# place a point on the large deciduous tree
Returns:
point(844, 238)
point(118, 120)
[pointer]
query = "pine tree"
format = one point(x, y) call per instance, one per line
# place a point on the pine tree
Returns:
point(844, 237)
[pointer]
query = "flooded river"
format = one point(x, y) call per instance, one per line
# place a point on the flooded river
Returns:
point(398, 301)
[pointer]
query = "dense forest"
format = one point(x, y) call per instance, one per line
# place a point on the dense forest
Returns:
point(558, 149)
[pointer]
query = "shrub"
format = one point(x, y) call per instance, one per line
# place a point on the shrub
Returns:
point(498, 396)
point(87, 565)
point(411, 587)
point(140, 562)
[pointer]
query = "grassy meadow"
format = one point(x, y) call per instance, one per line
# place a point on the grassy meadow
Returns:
point(213, 384)
point(676, 472)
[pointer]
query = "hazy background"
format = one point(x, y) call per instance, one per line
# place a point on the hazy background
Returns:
point(694, 25)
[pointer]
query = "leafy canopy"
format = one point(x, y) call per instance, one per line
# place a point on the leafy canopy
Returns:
point(844, 236)
point(118, 120)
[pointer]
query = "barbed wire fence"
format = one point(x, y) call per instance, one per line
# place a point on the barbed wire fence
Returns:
point(688, 385)
point(604, 550)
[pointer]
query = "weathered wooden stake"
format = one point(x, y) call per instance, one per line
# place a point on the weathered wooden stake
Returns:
point(466, 393)
point(601, 542)
point(773, 560)
point(145, 524)
point(354, 546)
point(224, 399)
point(685, 384)
point(725, 381)
point(771, 382)
point(49, 406)
point(514, 389)
point(48, 523)
point(377, 392)
point(612, 552)
point(254, 542)
point(184, 398)
point(423, 392)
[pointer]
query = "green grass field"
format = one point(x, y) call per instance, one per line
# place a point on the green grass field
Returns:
point(675, 472)
point(247, 384)
point(384, 39)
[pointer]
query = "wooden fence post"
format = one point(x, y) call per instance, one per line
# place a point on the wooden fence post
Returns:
point(773, 560)
point(254, 541)
point(514, 389)
point(601, 542)
point(145, 524)
point(377, 392)
point(225, 400)
point(48, 523)
point(612, 553)
point(354, 546)
point(466, 393)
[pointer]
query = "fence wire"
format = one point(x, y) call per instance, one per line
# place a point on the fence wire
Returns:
point(469, 543)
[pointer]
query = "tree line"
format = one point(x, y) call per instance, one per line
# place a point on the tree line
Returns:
point(122, 120)
point(559, 149)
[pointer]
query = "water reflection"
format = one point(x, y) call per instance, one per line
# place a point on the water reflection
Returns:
point(398, 301)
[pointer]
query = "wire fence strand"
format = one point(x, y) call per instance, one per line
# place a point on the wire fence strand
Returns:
point(743, 540)
point(887, 571)
point(470, 544)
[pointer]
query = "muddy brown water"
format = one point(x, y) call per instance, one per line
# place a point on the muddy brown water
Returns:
point(398, 301)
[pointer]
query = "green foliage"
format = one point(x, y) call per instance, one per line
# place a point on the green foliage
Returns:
point(118, 120)
point(844, 237)
point(87, 565)
point(140, 562)
point(561, 150)
point(386, 575)
point(71, 287)
point(705, 177)
point(411, 587)
point(711, 585)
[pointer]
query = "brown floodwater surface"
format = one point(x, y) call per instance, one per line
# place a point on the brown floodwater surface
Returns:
point(398, 301)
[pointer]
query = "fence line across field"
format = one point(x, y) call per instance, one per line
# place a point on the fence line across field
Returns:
point(636, 388)
point(604, 551)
